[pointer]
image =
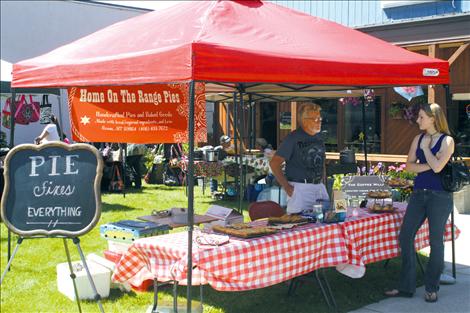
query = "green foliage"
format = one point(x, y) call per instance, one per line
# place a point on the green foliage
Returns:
point(396, 109)
point(148, 159)
point(337, 181)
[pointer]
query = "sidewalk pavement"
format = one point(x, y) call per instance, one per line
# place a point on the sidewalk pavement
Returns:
point(452, 298)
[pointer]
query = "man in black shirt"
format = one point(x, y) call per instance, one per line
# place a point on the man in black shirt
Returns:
point(303, 151)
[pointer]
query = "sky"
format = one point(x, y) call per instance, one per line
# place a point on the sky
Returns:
point(153, 5)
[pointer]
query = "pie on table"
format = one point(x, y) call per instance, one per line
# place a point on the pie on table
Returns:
point(245, 231)
point(379, 194)
point(377, 207)
point(286, 219)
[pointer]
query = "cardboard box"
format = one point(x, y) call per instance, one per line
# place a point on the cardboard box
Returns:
point(118, 247)
point(224, 215)
point(100, 274)
point(110, 265)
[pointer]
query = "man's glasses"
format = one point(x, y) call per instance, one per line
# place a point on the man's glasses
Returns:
point(315, 119)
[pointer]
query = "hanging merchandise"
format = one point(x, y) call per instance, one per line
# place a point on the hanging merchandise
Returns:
point(6, 114)
point(349, 100)
point(116, 184)
point(27, 112)
point(369, 96)
point(45, 110)
point(409, 92)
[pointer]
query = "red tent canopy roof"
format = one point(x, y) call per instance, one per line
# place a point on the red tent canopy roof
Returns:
point(229, 41)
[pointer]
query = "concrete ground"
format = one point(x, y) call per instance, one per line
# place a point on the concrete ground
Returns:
point(452, 298)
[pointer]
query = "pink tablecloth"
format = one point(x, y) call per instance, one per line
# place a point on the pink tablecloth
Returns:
point(265, 261)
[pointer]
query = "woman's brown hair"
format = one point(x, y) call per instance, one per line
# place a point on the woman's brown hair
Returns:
point(440, 121)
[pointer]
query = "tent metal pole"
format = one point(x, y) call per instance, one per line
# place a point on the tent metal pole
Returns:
point(452, 231)
point(242, 137)
point(12, 144)
point(250, 124)
point(253, 118)
point(12, 117)
point(365, 134)
point(190, 193)
point(235, 142)
point(61, 120)
point(235, 119)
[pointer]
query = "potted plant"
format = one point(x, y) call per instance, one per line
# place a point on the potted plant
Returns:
point(396, 110)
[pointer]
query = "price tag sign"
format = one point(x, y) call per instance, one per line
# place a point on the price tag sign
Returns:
point(359, 186)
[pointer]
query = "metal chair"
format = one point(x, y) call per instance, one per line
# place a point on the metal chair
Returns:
point(262, 209)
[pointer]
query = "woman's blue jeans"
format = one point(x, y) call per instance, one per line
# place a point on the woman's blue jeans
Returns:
point(436, 207)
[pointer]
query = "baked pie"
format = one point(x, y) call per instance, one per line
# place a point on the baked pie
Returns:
point(244, 232)
point(379, 194)
point(287, 219)
point(377, 208)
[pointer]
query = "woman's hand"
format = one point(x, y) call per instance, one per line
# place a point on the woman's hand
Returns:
point(426, 142)
point(37, 140)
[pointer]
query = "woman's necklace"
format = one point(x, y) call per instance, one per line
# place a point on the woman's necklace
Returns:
point(432, 135)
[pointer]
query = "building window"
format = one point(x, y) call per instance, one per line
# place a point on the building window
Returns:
point(353, 127)
point(329, 112)
point(462, 129)
point(402, 3)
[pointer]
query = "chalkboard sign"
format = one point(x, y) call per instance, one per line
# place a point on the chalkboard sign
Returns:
point(52, 189)
point(359, 186)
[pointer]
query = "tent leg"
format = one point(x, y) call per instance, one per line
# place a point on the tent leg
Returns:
point(190, 194)
point(365, 136)
point(241, 90)
point(448, 104)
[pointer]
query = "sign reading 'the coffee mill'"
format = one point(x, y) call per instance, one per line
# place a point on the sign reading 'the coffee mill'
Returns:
point(52, 189)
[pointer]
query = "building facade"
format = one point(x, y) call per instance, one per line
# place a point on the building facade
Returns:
point(32, 28)
point(436, 28)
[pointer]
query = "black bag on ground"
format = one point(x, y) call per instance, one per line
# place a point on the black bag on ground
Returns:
point(155, 174)
point(172, 176)
point(455, 174)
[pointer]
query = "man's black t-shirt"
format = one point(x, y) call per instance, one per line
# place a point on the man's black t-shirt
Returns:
point(304, 155)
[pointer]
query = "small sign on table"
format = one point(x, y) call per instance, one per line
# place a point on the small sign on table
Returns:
point(359, 186)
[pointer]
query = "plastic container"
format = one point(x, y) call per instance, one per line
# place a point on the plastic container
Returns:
point(100, 274)
point(179, 215)
point(272, 194)
point(341, 216)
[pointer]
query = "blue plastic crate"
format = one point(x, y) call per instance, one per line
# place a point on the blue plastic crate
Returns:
point(129, 231)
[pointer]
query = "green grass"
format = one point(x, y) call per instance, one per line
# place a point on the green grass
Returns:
point(31, 285)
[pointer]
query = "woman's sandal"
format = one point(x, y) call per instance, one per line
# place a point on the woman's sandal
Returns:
point(398, 293)
point(430, 296)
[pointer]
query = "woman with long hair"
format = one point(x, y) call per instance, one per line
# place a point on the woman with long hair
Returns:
point(428, 154)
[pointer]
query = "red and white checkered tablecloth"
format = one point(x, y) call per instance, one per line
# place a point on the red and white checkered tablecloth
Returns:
point(374, 237)
point(244, 264)
point(241, 264)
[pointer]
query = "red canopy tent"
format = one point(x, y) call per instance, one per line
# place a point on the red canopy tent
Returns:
point(250, 47)
point(229, 41)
